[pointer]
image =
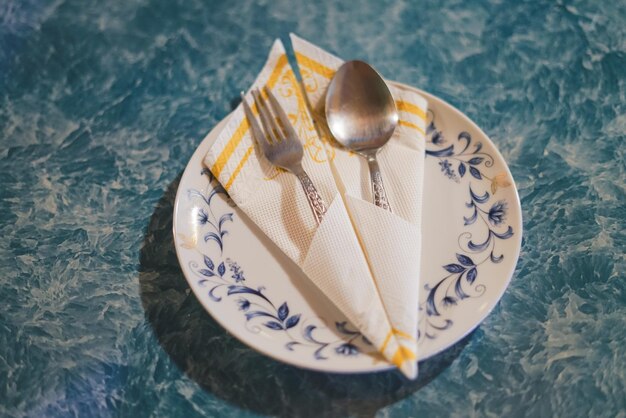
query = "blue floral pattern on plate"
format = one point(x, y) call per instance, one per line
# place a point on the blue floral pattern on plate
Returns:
point(225, 278)
point(456, 161)
point(463, 162)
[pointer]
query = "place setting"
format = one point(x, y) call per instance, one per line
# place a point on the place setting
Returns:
point(341, 222)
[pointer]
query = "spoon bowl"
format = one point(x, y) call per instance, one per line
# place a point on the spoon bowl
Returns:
point(362, 116)
point(360, 109)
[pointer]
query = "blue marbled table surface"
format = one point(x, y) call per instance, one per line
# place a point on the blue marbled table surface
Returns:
point(103, 103)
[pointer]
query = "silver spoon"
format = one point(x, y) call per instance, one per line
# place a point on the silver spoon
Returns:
point(361, 114)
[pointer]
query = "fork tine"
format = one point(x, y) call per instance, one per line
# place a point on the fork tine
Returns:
point(278, 111)
point(267, 120)
point(257, 133)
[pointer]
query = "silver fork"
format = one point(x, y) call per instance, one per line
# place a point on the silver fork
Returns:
point(281, 145)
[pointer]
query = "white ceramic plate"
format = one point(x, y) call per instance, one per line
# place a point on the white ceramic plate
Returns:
point(472, 229)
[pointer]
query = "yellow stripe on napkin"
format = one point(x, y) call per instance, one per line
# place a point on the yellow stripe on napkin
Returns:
point(403, 354)
point(315, 66)
point(238, 168)
point(234, 141)
point(411, 108)
point(411, 125)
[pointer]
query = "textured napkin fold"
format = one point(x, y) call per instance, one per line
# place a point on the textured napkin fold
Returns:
point(391, 242)
point(330, 254)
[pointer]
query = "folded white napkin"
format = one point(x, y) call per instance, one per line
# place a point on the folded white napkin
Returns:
point(338, 255)
point(391, 242)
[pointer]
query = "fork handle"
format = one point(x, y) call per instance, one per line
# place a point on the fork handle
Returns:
point(315, 200)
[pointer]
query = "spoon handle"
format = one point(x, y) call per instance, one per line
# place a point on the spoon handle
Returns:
point(315, 200)
point(378, 188)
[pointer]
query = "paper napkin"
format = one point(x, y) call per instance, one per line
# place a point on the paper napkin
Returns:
point(330, 254)
point(391, 242)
